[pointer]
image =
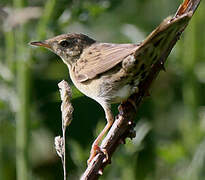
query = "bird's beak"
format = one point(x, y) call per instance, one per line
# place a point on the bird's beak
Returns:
point(41, 43)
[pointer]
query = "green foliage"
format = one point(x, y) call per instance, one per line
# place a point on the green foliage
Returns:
point(170, 124)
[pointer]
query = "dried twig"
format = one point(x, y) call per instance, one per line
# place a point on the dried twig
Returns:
point(161, 41)
point(67, 110)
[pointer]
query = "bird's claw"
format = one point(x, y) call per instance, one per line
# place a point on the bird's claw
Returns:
point(104, 151)
point(94, 151)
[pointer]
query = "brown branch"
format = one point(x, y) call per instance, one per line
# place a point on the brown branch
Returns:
point(124, 124)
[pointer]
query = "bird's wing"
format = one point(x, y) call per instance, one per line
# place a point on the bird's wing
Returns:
point(161, 40)
point(155, 48)
point(158, 45)
point(99, 58)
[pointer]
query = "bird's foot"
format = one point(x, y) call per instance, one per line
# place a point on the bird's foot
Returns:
point(94, 151)
point(106, 155)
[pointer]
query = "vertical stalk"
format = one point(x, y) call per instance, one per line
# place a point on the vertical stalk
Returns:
point(64, 150)
point(45, 19)
point(189, 58)
point(22, 82)
point(22, 130)
point(23, 79)
point(195, 50)
point(9, 49)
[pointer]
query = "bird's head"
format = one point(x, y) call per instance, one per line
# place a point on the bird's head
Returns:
point(68, 46)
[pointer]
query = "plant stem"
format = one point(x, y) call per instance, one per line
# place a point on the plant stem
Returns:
point(22, 82)
point(64, 150)
point(22, 121)
point(46, 18)
point(10, 48)
point(189, 57)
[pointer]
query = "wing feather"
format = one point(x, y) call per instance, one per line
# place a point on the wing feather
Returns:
point(160, 41)
point(100, 58)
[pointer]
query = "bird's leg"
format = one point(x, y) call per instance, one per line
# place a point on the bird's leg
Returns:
point(95, 146)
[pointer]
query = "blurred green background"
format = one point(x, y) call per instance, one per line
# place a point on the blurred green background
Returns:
point(170, 139)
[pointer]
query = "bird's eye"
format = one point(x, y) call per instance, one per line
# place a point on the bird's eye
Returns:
point(65, 43)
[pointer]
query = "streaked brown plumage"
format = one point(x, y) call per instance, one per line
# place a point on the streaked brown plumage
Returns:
point(110, 73)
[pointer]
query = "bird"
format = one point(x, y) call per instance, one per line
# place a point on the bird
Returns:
point(105, 72)
point(110, 73)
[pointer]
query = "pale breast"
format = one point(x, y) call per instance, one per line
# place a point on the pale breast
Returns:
point(90, 88)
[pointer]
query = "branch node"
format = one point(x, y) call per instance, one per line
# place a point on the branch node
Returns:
point(132, 134)
point(104, 160)
point(100, 172)
point(162, 66)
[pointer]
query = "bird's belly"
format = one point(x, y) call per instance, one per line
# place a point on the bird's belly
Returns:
point(89, 88)
point(105, 89)
point(100, 93)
